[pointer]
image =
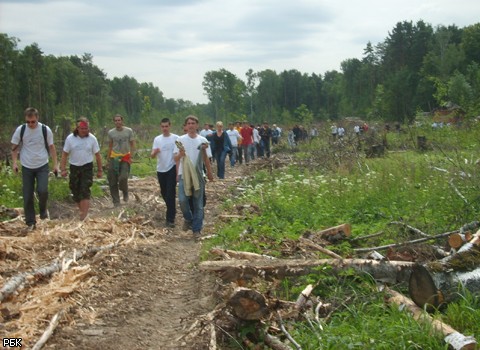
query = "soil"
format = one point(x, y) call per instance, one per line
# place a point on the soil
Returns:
point(148, 294)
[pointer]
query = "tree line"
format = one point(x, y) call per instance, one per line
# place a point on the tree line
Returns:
point(416, 68)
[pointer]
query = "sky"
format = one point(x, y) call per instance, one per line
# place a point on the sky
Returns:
point(173, 43)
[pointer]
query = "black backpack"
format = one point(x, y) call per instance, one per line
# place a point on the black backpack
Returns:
point(44, 132)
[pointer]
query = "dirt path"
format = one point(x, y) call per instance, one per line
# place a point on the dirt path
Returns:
point(146, 295)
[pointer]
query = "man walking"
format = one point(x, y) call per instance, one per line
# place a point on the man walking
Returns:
point(37, 144)
point(162, 148)
point(121, 146)
point(190, 153)
point(82, 147)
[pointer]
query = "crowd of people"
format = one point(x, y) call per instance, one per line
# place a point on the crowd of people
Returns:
point(184, 162)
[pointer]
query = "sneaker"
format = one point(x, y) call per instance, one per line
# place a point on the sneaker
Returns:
point(45, 216)
point(187, 225)
point(125, 196)
point(170, 224)
point(196, 235)
point(31, 227)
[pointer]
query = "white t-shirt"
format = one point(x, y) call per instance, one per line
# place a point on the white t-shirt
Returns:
point(81, 149)
point(166, 145)
point(33, 154)
point(205, 133)
point(256, 135)
point(191, 148)
point(234, 136)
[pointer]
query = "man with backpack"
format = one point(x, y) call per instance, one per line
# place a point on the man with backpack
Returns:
point(36, 140)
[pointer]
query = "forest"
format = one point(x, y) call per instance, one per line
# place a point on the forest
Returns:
point(416, 69)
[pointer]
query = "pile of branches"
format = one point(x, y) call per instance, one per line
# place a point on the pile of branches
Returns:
point(246, 276)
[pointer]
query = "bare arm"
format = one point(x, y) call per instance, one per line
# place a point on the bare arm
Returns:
point(14, 157)
point(206, 160)
point(53, 153)
point(63, 164)
point(98, 158)
point(110, 146)
point(154, 153)
point(132, 147)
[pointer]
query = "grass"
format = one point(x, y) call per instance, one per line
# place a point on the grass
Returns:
point(435, 190)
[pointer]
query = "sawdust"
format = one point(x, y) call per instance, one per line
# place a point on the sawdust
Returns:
point(142, 291)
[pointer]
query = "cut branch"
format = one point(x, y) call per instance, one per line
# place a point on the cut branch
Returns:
point(311, 244)
point(394, 245)
point(48, 332)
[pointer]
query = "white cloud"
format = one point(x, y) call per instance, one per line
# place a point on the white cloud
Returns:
point(172, 43)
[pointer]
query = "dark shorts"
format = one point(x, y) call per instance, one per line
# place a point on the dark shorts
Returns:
point(81, 179)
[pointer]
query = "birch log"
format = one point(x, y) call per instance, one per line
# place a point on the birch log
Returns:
point(455, 339)
point(438, 282)
point(234, 270)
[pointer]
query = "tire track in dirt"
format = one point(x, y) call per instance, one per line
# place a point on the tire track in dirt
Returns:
point(149, 295)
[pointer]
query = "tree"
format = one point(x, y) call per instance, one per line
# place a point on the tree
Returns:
point(251, 86)
point(225, 92)
point(471, 42)
point(303, 115)
point(268, 92)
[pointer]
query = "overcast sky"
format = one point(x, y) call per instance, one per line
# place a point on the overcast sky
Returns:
point(172, 43)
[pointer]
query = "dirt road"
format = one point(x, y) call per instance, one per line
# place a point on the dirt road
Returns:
point(147, 294)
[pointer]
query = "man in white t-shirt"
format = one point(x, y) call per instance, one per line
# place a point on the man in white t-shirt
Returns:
point(37, 145)
point(206, 130)
point(162, 149)
point(191, 183)
point(235, 137)
point(81, 146)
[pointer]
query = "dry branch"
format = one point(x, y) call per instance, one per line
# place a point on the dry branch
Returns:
point(275, 343)
point(48, 332)
point(394, 245)
point(332, 234)
point(411, 228)
point(233, 270)
point(45, 271)
point(455, 339)
point(311, 244)
point(233, 254)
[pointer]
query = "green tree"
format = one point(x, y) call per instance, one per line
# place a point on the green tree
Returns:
point(225, 92)
point(303, 115)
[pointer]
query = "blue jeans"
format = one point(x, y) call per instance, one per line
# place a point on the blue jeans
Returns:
point(29, 177)
point(220, 159)
point(195, 216)
point(233, 156)
point(168, 186)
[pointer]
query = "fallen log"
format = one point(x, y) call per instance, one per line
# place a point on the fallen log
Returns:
point(332, 234)
point(248, 304)
point(233, 254)
point(438, 282)
point(45, 271)
point(455, 339)
point(233, 270)
point(456, 240)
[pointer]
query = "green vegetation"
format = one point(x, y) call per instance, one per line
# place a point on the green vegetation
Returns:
point(415, 68)
point(436, 191)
